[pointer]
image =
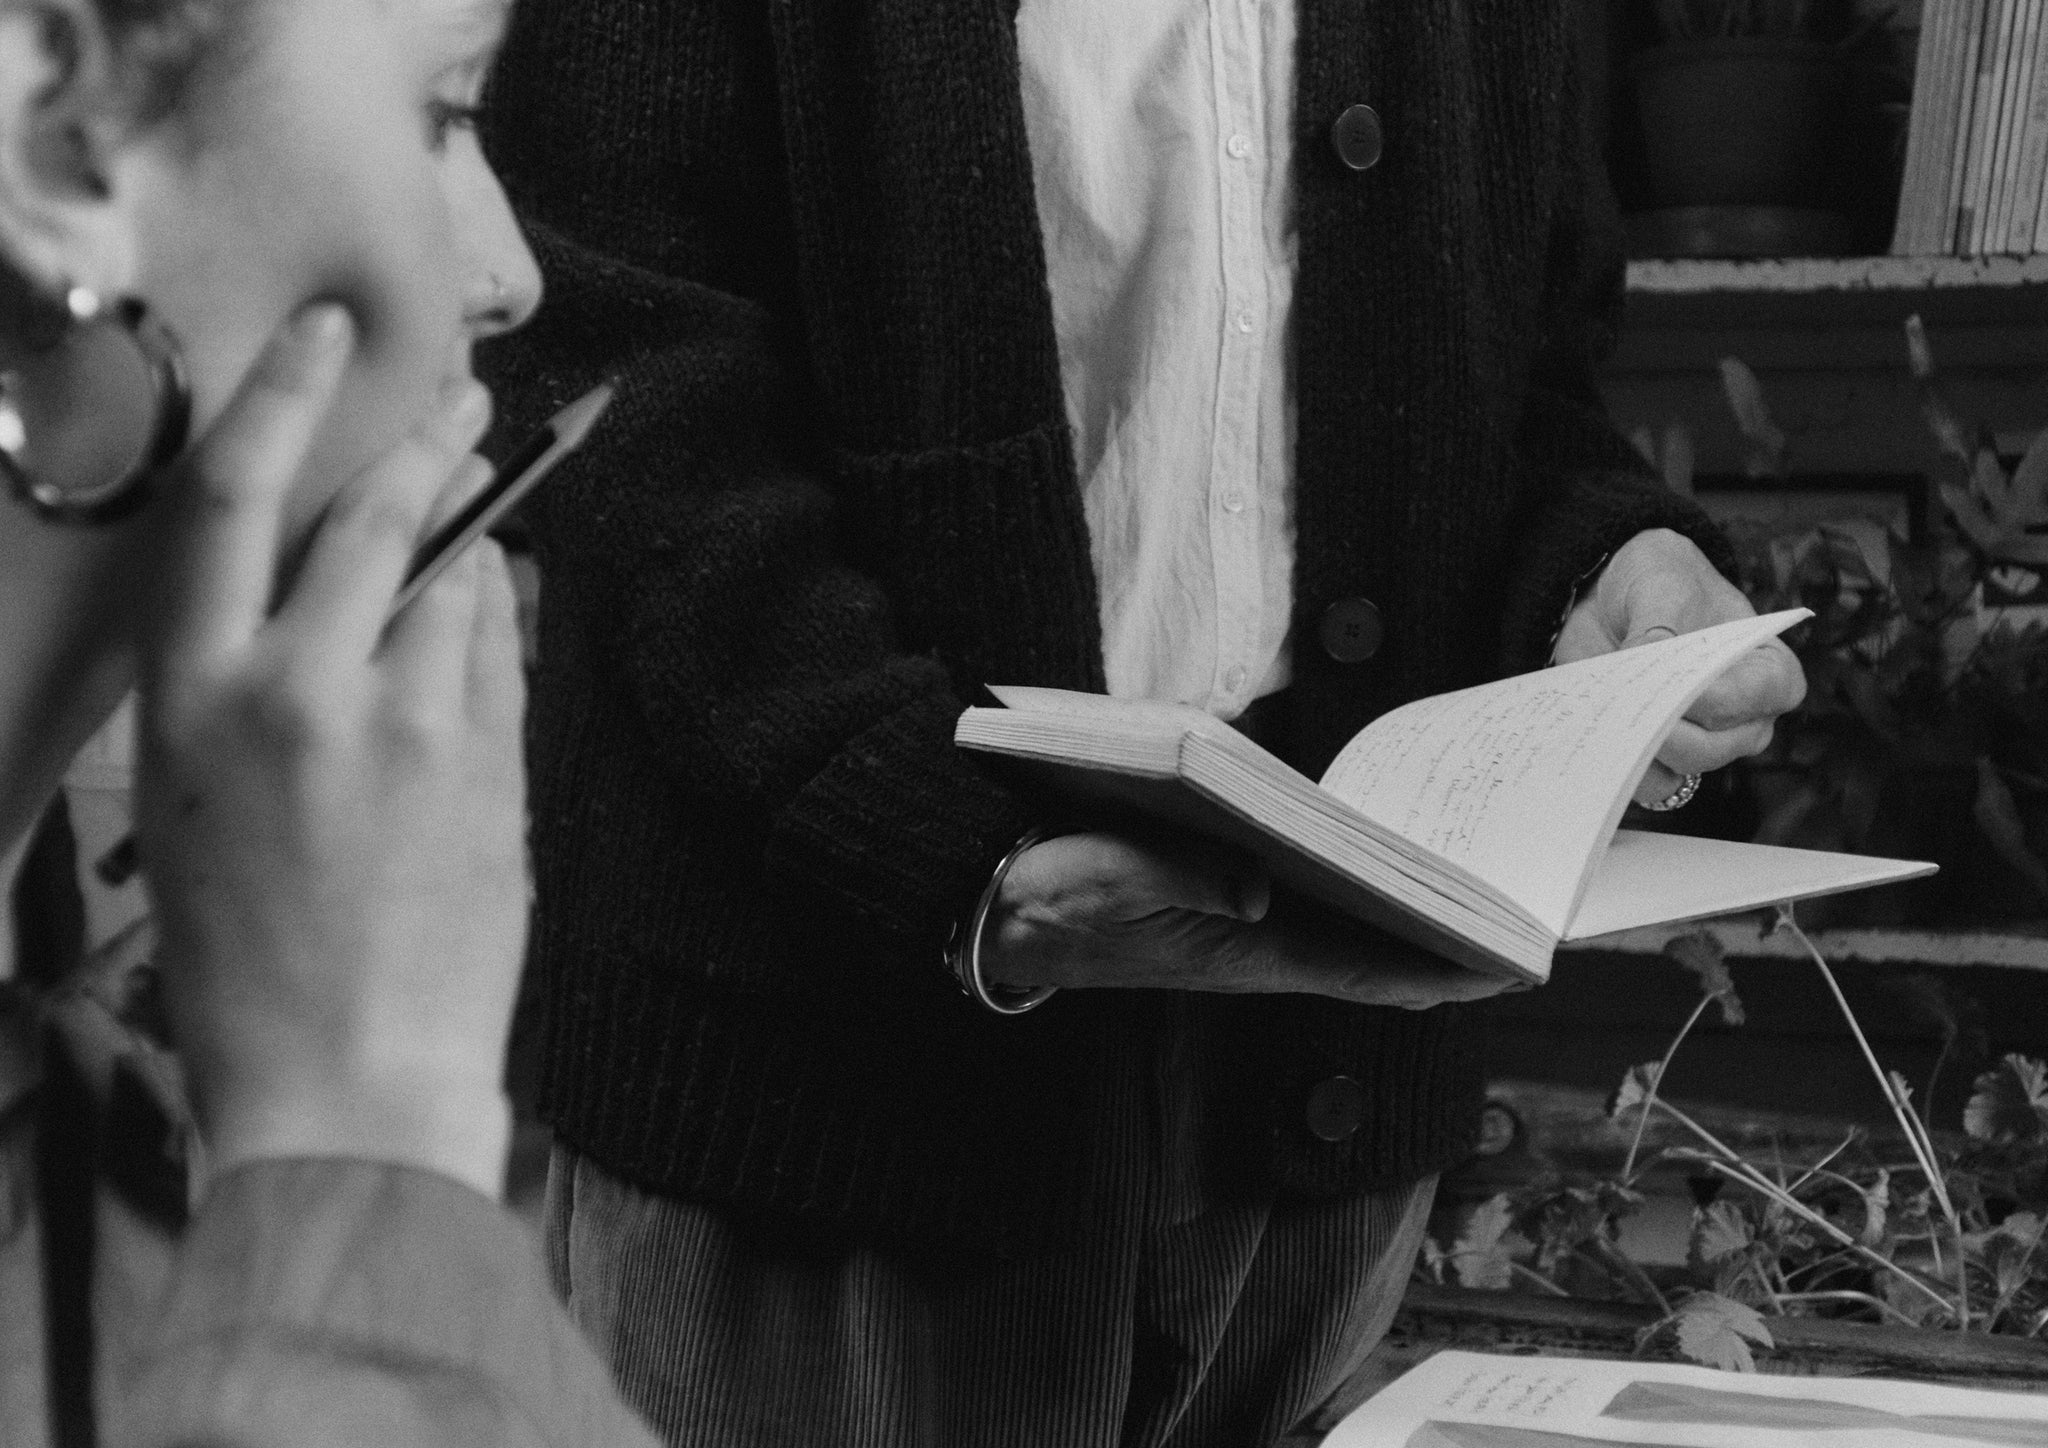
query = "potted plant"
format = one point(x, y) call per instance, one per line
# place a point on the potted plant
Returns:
point(1749, 128)
point(1917, 1252)
point(1925, 728)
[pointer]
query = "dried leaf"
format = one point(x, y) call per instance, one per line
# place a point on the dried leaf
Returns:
point(1702, 954)
point(1765, 454)
point(1717, 1331)
point(2010, 1103)
point(1877, 1202)
point(1482, 1256)
point(1636, 1089)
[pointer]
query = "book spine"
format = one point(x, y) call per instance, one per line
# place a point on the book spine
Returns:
point(1968, 67)
point(1953, 74)
point(1914, 227)
point(2019, 79)
point(2029, 151)
point(1996, 49)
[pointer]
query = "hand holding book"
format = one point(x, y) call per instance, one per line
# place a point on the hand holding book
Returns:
point(1479, 825)
point(1659, 585)
point(1111, 910)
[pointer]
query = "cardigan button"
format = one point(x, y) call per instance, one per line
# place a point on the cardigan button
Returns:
point(1351, 630)
point(1336, 1109)
point(1358, 137)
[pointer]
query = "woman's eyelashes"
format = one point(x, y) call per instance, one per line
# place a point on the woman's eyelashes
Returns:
point(446, 117)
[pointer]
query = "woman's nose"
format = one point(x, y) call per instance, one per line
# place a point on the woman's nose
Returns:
point(505, 294)
point(506, 283)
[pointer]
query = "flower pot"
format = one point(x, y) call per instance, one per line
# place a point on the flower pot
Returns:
point(1743, 122)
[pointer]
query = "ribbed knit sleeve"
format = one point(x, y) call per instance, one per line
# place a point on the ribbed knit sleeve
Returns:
point(710, 551)
point(1591, 490)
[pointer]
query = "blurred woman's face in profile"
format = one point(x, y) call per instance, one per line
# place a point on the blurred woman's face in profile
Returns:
point(326, 149)
point(322, 149)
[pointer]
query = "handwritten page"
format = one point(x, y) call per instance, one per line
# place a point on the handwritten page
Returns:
point(1523, 781)
point(1476, 1400)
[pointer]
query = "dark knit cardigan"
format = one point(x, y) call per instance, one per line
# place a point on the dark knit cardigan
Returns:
point(837, 494)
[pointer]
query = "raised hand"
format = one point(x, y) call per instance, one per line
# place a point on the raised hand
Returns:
point(1659, 584)
point(332, 810)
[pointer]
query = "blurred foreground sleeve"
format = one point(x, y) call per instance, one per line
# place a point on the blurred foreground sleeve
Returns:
point(322, 1302)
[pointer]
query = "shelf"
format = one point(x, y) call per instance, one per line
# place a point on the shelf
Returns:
point(1813, 276)
point(1834, 313)
point(1742, 939)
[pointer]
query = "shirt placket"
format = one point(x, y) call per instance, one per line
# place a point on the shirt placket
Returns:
point(1237, 66)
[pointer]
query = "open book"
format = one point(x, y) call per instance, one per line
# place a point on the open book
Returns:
point(1479, 1400)
point(1478, 824)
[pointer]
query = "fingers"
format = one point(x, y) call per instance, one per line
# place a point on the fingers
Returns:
point(1096, 878)
point(496, 676)
point(222, 539)
point(1762, 684)
point(342, 596)
point(427, 649)
point(1312, 952)
point(1732, 720)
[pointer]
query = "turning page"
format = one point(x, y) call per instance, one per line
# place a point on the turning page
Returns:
point(1523, 781)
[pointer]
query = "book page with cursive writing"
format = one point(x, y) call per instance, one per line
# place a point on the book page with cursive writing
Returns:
point(1522, 781)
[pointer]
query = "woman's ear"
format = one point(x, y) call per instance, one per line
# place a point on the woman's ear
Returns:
point(61, 121)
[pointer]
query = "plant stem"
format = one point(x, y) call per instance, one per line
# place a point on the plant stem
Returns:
point(1742, 1172)
point(1779, 1300)
point(1909, 1120)
point(1518, 1270)
point(1628, 1165)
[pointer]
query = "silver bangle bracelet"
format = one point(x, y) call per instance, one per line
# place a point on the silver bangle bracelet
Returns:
point(963, 952)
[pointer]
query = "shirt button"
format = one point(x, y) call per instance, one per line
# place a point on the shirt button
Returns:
point(1351, 630)
point(1233, 502)
point(1240, 146)
point(1234, 680)
point(1336, 1109)
point(1358, 137)
point(1244, 321)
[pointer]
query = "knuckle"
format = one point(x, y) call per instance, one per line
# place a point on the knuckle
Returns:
point(412, 732)
point(281, 712)
point(380, 514)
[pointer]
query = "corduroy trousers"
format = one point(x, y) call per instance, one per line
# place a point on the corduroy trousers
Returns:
point(1232, 1326)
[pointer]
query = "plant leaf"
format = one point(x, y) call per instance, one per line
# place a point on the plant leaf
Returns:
point(1720, 1231)
point(1677, 461)
point(2010, 1103)
point(1997, 815)
point(1970, 516)
point(2029, 494)
point(1717, 1331)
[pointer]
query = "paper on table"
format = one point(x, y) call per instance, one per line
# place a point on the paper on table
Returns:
point(1547, 758)
point(1477, 1400)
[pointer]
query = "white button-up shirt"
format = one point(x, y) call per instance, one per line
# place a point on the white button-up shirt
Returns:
point(1160, 135)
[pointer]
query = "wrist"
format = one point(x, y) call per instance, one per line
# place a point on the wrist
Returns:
point(461, 1130)
point(964, 948)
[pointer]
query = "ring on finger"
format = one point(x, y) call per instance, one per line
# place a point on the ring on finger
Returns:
point(1679, 798)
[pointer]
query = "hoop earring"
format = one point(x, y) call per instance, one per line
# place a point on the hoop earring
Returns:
point(163, 364)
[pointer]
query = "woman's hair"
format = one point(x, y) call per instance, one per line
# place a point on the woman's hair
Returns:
point(159, 44)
